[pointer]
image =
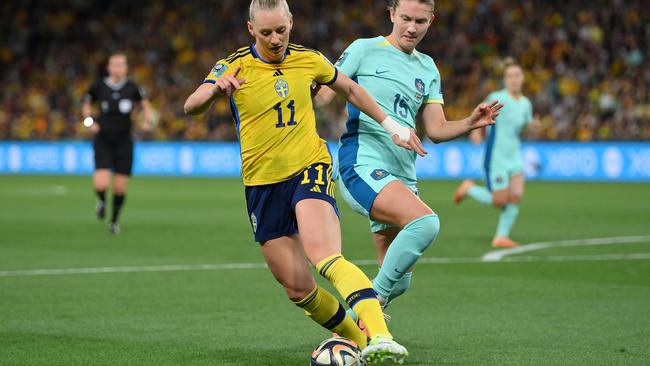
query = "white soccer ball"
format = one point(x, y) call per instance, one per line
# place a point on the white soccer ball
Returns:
point(337, 351)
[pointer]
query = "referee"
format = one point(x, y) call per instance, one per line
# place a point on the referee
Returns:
point(113, 144)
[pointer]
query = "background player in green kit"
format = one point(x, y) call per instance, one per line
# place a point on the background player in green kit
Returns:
point(380, 181)
point(503, 163)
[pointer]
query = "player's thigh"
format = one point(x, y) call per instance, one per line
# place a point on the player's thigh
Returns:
point(382, 240)
point(517, 184)
point(286, 261)
point(396, 204)
point(316, 213)
point(320, 230)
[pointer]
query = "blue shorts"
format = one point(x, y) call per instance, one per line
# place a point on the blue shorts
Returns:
point(272, 207)
point(360, 185)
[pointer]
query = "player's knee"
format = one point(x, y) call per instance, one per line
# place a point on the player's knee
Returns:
point(499, 202)
point(297, 292)
point(426, 227)
point(515, 198)
point(101, 187)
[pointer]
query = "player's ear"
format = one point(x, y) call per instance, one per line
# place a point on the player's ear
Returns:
point(433, 17)
point(392, 14)
point(250, 28)
point(290, 22)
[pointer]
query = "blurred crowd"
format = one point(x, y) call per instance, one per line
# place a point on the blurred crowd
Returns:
point(587, 63)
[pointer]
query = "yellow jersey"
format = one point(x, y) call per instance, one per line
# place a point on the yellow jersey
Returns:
point(273, 112)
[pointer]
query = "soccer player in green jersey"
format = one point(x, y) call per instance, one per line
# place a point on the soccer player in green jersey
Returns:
point(503, 163)
point(375, 179)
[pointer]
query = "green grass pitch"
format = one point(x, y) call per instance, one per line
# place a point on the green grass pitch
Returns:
point(555, 306)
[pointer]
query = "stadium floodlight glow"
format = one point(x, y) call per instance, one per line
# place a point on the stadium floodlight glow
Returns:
point(88, 121)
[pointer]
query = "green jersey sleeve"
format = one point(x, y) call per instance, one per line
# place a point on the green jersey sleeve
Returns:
point(350, 59)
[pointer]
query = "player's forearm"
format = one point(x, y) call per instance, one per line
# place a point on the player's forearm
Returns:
point(360, 98)
point(449, 130)
point(199, 102)
point(324, 97)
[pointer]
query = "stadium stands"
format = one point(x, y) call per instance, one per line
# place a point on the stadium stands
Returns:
point(587, 67)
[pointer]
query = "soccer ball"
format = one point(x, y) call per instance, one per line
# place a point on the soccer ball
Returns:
point(337, 351)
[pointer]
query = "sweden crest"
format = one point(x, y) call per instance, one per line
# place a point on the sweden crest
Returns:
point(282, 88)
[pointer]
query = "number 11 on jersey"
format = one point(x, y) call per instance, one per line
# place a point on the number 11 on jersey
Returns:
point(292, 110)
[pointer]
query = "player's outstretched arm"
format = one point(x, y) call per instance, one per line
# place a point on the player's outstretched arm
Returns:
point(357, 95)
point(440, 130)
point(201, 100)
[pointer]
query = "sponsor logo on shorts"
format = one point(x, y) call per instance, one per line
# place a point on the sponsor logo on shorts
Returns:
point(254, 223)
point(379, 174)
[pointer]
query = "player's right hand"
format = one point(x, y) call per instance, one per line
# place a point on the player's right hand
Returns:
point(413, 144)
point(228, 84)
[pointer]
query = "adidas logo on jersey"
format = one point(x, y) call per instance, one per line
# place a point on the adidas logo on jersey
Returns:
point(278, 72)
point(316, 189)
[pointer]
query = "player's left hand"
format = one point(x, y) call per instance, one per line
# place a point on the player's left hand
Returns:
point(485, 114)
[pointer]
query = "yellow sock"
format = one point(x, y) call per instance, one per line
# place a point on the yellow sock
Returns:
point(356, 289)
point(323, 308)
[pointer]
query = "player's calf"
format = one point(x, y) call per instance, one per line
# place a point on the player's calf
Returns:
point(406, 249)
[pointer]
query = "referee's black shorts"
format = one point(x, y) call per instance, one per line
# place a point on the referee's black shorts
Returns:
point(114, 154)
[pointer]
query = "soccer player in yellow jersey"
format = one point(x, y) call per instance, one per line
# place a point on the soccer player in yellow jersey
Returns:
point(287, 171)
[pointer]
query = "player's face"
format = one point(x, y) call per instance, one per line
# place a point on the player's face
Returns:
point(117, 67)
point(513, 79)
point(271, 30)
point(411, 21)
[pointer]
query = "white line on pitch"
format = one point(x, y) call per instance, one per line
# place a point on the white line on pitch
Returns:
point(497, 255)
point(364, 262)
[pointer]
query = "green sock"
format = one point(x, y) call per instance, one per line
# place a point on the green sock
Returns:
point(480, 195)
point(507, 219)
point(401, 286)
point(404, 251)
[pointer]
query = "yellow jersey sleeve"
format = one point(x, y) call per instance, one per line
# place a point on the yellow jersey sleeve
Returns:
point(324, 70)
point(223, 67)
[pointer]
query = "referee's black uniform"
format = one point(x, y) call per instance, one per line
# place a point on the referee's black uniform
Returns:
point(114, 144)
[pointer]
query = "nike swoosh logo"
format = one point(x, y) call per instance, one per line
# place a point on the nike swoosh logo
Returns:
point(381, 72)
